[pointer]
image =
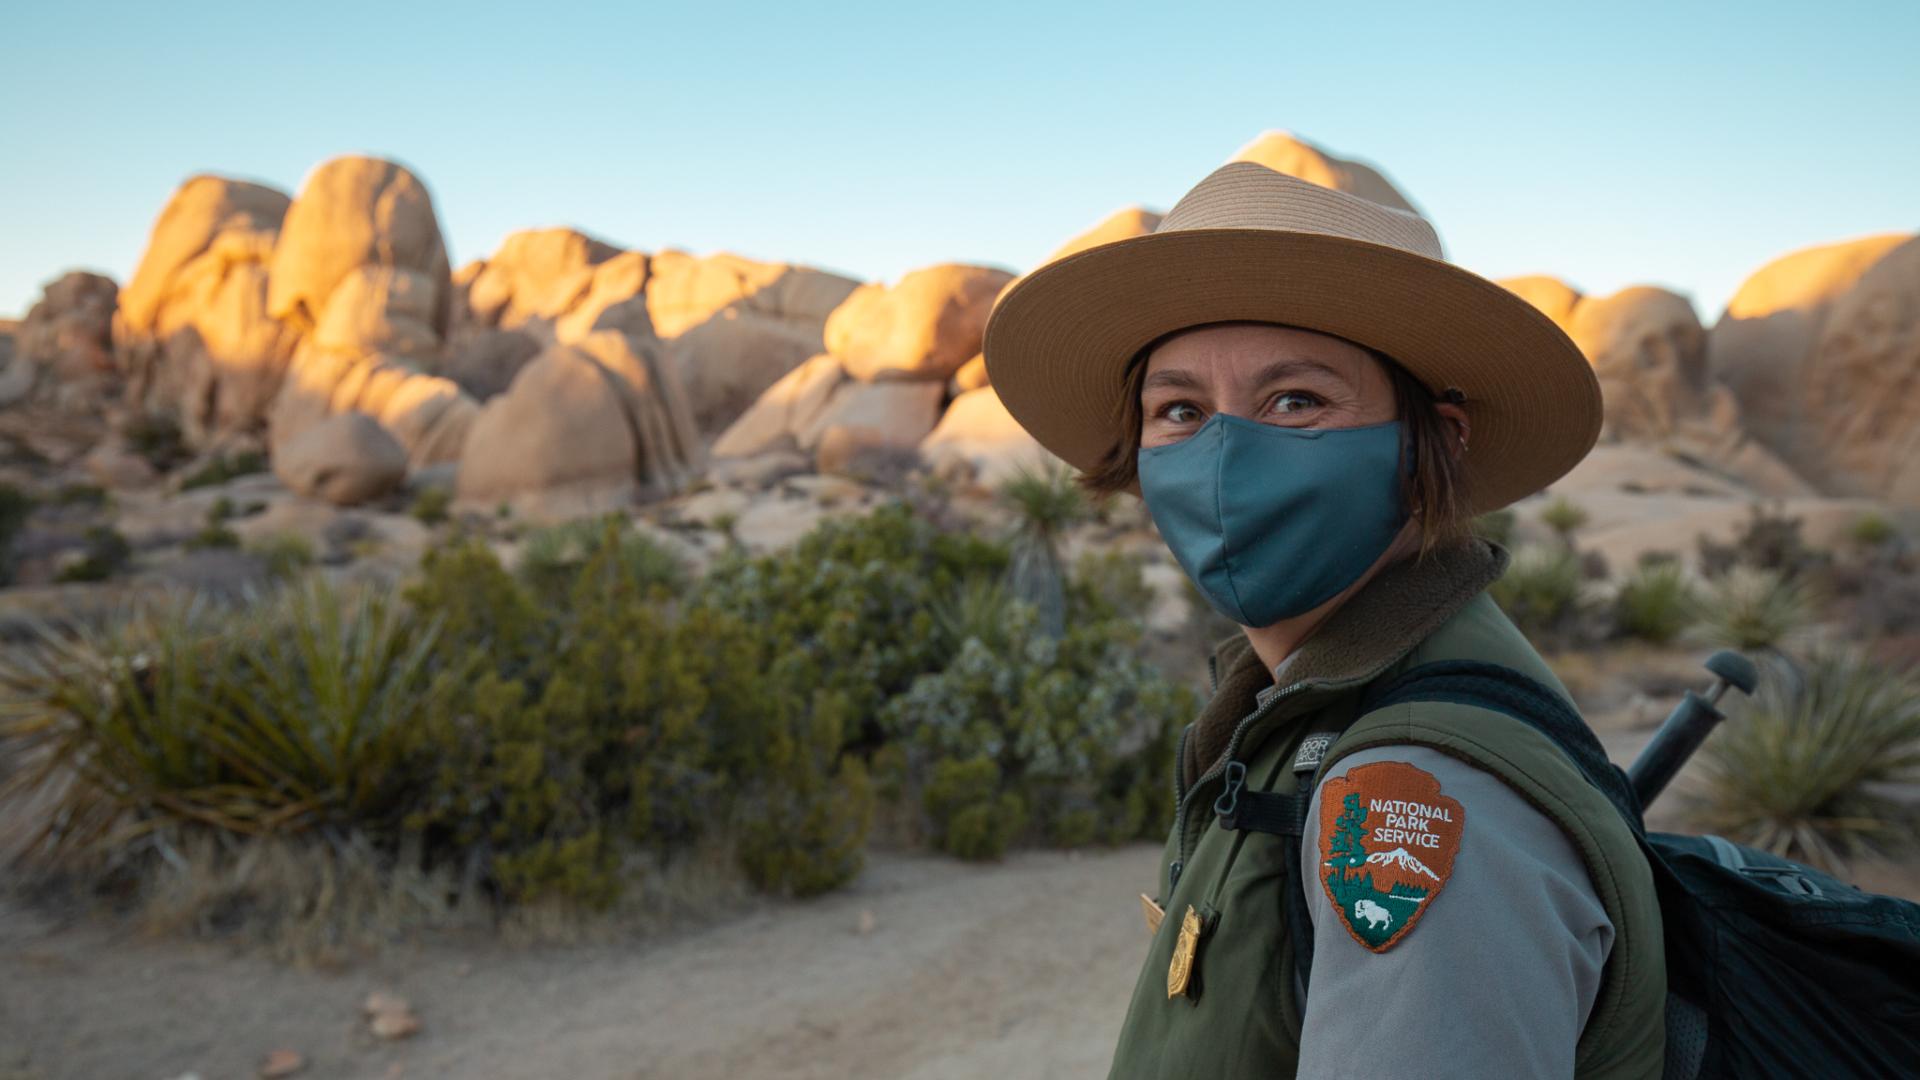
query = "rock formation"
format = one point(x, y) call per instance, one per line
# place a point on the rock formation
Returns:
point(594, 423)
point(727, 327)
point(345, 459)
point(1764, 346)
point(1862, 387)
point(192, 331)
point(922, 327)
point(1648, 351)
point(1285, 152)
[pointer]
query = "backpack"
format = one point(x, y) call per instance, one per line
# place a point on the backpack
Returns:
point(1774, 969)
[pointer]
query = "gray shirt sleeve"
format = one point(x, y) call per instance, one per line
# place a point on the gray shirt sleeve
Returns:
point(1498, 975)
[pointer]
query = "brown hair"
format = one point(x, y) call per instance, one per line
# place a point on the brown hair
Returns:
point(1436, 490)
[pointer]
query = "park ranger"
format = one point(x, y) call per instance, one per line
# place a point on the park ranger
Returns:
point(1313, 405)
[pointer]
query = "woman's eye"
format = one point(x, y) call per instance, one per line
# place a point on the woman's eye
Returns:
point(1180, 412)
point(1294, 401)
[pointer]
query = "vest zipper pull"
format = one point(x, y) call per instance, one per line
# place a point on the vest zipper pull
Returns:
point(1173, 878)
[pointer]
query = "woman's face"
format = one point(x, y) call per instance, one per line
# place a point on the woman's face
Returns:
point(1260, 371)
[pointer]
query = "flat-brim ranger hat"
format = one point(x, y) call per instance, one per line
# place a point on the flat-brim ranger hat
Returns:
point(1249, 243)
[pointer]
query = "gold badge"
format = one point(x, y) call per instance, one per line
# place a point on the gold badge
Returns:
point(1154, 913)
point(1180, 971)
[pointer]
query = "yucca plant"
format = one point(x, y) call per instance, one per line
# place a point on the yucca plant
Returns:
point(293, 716)
point(111, 728)
point(1656, 603)
point(1755, 610)
point(319, 722)
point(1803, 773)
point(1046, 502)
point(1543, 588)
point(977, 610)
point(1565, 517)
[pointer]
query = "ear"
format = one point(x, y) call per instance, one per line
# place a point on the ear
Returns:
point(1464, 426)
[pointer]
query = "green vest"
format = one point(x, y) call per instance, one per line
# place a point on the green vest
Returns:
point(1240, 1016)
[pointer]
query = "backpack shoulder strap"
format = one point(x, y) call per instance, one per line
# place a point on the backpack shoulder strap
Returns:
point(1501, 689)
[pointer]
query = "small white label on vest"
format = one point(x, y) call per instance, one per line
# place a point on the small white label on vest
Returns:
point(1312, 749)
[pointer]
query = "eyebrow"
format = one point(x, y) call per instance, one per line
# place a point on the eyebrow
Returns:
point(1278, 369)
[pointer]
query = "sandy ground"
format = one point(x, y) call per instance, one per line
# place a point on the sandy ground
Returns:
point(1017, 970)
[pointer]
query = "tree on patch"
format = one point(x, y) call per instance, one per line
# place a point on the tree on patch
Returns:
point(1348, 850)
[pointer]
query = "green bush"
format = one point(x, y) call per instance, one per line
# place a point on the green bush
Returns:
point(285, 554)
point(1657, 603)
point(1565, 517)
point(15, 507)
point(1810, 770)
point(1077, 727)
point(1496, 525)
point(1755, 610)
point(971, 816)
point(1110, 582)
point(224, 467)
point(1871, 530)
point(1543, 588)
point(553, 557)
point(431, 505)
point(103, 554)
point(1770, 540)
point(156, 437)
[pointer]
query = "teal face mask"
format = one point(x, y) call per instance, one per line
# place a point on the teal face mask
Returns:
point(1271, 522)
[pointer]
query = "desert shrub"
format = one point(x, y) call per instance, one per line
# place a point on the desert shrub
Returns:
point(850, 607)
point(1543, 589)
point(285, 554)
point(431, 505)
point(1496, 525)
point(103, 553)
point(1565, 517)
point(224, 467)
point(1656, 603)
point(1770, 540)
point(1806, 771)
point(214, 532)
point(970, 814)
point(1109, 582)
point(15, 507)
point(157, 438)
point(1754, 609)
point(616, 724)
point(554, 556)
point(1871, 530)
point(1077, 727)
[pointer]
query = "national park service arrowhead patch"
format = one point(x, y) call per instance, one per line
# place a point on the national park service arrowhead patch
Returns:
point(1387, 842)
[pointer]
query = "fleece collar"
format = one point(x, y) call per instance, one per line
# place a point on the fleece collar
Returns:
point(1378, 625)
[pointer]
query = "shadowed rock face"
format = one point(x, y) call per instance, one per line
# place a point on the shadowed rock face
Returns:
point(1764, 346)
point(68, 334)
point(1862, 386)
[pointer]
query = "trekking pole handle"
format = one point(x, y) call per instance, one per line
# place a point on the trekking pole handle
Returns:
point(1688, 726)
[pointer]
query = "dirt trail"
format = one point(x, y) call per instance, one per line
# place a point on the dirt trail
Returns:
point(1010, 971)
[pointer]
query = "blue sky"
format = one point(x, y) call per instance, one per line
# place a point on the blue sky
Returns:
point(1674, 144)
